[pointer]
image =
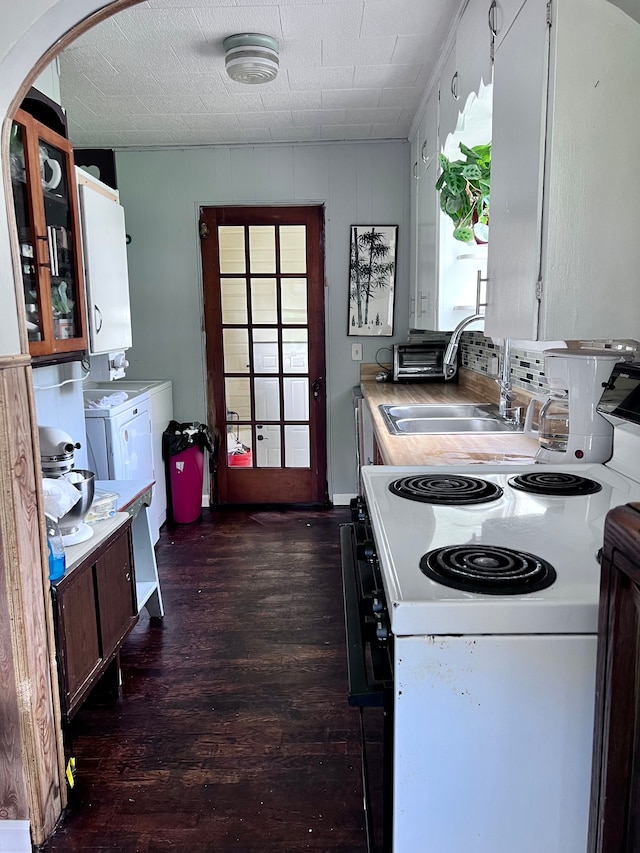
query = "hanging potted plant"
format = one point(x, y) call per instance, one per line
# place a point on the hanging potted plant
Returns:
point(464, 192)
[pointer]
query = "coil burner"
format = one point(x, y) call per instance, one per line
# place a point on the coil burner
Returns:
point(554, 483)
point(445, 489)
point(488, 569)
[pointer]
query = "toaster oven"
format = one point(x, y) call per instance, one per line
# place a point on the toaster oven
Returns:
point(415, 362)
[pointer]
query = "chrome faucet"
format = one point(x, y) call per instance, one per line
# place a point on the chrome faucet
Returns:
point(451, 353)
point(507, 396)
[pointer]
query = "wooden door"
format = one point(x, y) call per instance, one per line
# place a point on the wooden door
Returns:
point(614, 824)
point(78, 643)
point(115, 590)
point(263, 280)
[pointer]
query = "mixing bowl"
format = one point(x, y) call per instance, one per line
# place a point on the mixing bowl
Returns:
point(84, 482)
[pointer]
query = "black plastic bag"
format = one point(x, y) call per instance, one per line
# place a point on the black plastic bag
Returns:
point(178, 437)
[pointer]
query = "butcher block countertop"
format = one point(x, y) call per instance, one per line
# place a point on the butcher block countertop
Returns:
point(452, 449)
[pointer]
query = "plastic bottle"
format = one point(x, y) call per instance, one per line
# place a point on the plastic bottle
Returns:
point(57, 558)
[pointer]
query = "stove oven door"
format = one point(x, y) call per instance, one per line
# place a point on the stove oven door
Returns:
point(370, 678)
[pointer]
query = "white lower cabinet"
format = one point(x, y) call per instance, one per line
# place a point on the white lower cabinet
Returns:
point(563, 231)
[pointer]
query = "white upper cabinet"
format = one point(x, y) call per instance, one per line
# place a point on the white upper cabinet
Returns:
point(449, 110)
point(501, 14)
point(105, 265)
point(427, 244)
point(473, 50)
point(413, 224)
point(428, 133)
point(563, 258)
point(424, 218)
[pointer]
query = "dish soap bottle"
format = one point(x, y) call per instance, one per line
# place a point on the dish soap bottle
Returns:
point(57, 558)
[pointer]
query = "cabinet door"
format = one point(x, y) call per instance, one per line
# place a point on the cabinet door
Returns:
point(46, 205)
point(473, 50)
point(413, 235)
point(78, 639)
point(502, 13)
point(517, 169)
point(115, 585)
point(450, 106)
point(107, 277)
point(427, 242)
point(428, 133)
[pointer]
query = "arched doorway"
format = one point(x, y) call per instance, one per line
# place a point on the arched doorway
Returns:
point(32, 786)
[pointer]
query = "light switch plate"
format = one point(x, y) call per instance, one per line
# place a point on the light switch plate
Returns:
point(356, 352)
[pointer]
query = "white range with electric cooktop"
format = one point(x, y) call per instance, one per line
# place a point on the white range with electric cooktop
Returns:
point(487, 612)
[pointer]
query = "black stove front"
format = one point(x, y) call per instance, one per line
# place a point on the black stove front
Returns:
point(370, 671)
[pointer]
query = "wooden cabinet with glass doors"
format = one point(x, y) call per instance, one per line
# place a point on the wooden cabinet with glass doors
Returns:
point(46, 207)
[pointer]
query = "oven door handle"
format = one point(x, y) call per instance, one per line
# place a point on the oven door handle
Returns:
point(362, 693)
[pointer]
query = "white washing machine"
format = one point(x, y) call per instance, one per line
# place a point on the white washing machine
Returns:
point(119, 439)
point(161, 400)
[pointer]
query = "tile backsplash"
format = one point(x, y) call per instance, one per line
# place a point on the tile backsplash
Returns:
point(480, 354)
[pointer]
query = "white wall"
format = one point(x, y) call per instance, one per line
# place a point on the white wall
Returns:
point(361, 183)
point(59, 402)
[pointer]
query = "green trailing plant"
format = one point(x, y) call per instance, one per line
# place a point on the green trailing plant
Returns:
point(464, 192)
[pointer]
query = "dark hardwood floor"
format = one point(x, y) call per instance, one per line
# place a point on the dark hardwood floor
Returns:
point(232, 730)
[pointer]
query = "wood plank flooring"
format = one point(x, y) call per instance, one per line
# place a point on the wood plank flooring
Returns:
point(232, 731)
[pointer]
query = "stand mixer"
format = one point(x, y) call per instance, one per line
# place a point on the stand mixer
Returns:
point(569, 427)
point(57, 460)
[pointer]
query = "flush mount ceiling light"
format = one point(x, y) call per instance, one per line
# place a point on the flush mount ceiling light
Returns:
point(251, 57)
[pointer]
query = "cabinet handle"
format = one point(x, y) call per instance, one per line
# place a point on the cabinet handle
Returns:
point(425, 159)
point(128, 577)
point(98, 314)
point(492, 18)
point(479, 282)
point(421, 300)
point(454, 86)
point(412, 305)
point(415, 170)
point(45, 241)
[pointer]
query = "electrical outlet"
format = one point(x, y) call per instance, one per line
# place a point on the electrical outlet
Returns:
point(356, 352)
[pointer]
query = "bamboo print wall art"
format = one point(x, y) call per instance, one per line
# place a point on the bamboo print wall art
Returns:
point(372, 275)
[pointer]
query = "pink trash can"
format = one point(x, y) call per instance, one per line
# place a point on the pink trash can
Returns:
point(185, 476)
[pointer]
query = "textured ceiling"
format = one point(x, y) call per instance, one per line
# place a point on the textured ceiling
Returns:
point(153, 75)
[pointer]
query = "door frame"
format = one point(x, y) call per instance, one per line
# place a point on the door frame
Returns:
point(219, 482)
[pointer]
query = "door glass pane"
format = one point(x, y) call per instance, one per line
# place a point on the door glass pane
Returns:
point(59, 222)
point(293, 248)
point(296, 446)
point(262, 248)
point(235, 344)
point(231, 244)
point(295, 351)
point(239, 453)
point(264, 303)
point(266, 391)
point(294, 300)
point(268, 447)
point(238, 398)
point(234, 300)
point(24, 217)
point(296, 398)
point(265, 351)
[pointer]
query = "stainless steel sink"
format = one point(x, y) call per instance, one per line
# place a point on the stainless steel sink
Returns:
point(440, 410)
point(441, 419)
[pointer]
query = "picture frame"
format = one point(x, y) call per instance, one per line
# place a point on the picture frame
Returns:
point(373, 253)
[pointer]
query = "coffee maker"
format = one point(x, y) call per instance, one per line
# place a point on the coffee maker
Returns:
point(569, 427)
